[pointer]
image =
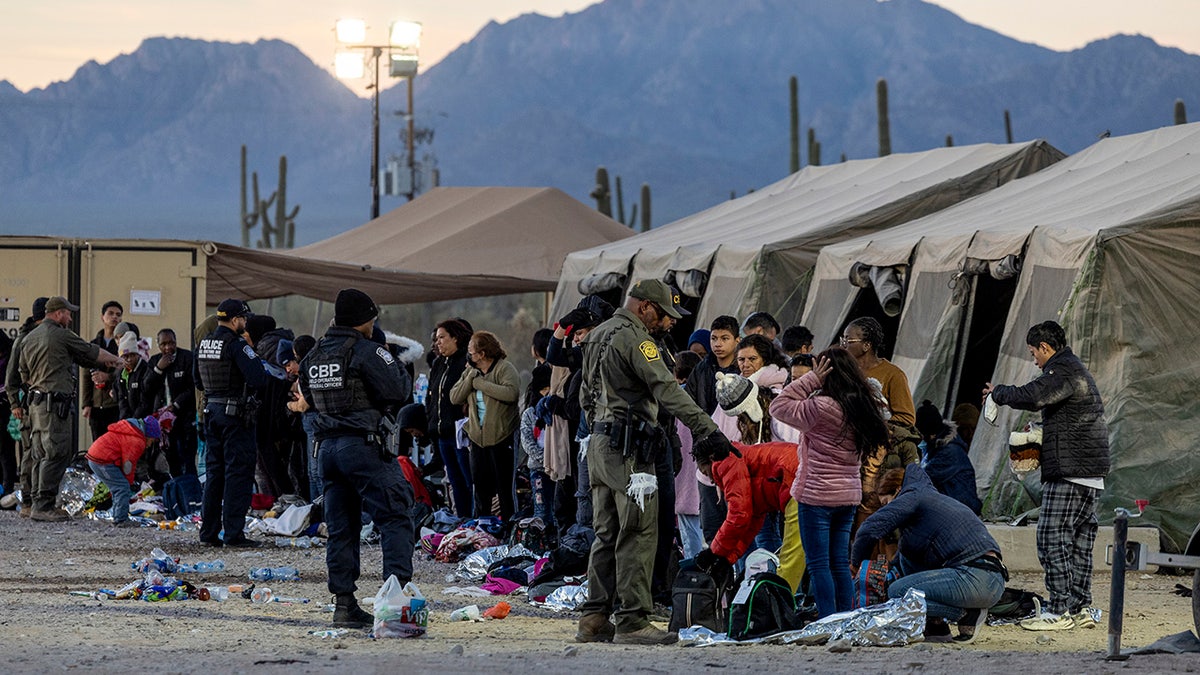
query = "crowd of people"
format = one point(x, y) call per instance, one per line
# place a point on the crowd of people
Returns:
point(749, 437)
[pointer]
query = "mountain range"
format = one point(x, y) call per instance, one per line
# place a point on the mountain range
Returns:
point(689, 96)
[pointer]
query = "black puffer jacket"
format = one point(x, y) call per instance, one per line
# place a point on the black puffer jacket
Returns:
point(444, 373)
point(1074, 434)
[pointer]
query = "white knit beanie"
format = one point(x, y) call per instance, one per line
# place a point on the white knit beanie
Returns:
point(737, 395)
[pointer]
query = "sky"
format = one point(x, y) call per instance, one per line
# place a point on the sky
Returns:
point(44, 41)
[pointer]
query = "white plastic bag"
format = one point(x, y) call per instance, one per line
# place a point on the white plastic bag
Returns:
point(400, 611)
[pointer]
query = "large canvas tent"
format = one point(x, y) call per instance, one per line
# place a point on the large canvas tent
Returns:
point(449, 243)
point(1106, 242)
point(754, 252)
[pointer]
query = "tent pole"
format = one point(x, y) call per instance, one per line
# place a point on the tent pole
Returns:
point(316, 318)
point(547, 300)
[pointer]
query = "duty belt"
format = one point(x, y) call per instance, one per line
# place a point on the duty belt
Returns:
point(225, 400)
point(607, 428)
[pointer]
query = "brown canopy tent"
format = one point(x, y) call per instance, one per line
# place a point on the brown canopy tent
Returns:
point(448, 244)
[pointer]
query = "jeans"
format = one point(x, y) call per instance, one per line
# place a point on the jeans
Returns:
point(825, 533)
point(458, 470)
point(689, 534)
point(118, 485)
point(543, 497)
point(951, 591)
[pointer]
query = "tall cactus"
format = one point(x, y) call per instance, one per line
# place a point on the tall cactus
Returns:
point(621, 203)
point(602, 193)
point(249, 219)
point(645, 207)
point(885, 130)
point(1180, 112)
point(814, 148)
point(794, 123)
point(949, 141)
point(1008, 127)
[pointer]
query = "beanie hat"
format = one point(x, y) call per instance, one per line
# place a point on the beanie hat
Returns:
point(39, 308)
point(929, 419)
point(353, 308)
point(151, 427)
point(702, 336)
point(285, 351)
point(258, 325)
point(128, 344)
point(737, 395)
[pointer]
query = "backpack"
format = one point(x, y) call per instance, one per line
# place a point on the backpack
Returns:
point(697, 599)
point(1015, 604)
point(764, 605)
point(182, 496)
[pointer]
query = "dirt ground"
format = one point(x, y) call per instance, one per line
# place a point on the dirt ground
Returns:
point(43, 627)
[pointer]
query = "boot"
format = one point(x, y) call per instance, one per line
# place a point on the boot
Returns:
point(347, 613)
point(595, 628)
point(649, 635)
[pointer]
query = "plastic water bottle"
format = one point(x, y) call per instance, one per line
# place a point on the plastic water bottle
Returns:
point(421, 388)
point(218, 593)
point(296, 542)
point(261, 596)
point(203, 567)
point(275, 574)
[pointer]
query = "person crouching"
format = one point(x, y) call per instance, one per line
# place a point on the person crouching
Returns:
point(114, 456)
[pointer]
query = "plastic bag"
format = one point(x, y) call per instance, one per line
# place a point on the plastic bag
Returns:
point(400, 611)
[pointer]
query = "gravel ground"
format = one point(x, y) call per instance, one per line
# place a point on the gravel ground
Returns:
point(43, 627)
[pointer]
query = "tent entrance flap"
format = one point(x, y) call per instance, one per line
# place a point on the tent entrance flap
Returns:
point(887, 282)
point(608, 285)
point(980, 334)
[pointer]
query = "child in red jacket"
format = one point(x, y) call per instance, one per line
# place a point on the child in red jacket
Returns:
point(114, 456)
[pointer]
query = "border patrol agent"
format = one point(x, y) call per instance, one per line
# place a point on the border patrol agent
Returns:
point(18, 394)
point(48, 356)
point(352, 382)
point(624, 383)
point(227, 370)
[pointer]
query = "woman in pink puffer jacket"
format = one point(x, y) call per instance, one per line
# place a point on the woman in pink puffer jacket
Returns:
point(840, 424)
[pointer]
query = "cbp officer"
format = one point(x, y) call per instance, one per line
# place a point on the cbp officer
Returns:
point(227, 370)
point(352, 382)
point(624, 384)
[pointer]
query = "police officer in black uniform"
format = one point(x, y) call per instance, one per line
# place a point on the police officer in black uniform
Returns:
point(352, 382)
point(228, 371)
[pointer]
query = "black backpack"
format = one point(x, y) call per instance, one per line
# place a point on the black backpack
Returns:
point(698, 600)
point(1016, 604)
point(764, 605)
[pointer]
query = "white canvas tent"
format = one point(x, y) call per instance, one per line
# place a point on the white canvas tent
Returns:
point(1107, 242)
point(754, 252)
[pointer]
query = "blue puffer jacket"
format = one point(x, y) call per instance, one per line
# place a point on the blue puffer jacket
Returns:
point(1074, 435)
point(936, 531)
point(950, 470)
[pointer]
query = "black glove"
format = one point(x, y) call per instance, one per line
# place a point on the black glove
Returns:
point(577, 318)
point(713, 447)
point(715, 565)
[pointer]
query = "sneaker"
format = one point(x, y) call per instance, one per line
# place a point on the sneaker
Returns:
point(1049, 622)
point(937, 632)
point(1085, 618)
point(51, 516)
point(9, 501)
point(595, 628)
point(970, 625)
point(646, 636)
point(214, 543)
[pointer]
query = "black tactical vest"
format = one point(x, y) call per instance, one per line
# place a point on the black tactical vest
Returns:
point(333, 389)
point(220, 376)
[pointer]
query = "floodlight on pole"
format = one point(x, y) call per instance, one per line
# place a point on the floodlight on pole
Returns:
point(404, 38)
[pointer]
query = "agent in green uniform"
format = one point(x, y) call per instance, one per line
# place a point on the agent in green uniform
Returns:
point(49, 355)
point(624, 384)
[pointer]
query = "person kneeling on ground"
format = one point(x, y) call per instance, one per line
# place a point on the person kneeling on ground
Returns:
point(114, 456)
point(945, 551)
point(753, 485)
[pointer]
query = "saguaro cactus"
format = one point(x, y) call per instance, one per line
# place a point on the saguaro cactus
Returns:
point(249, 219)
point(814, 148)
point(794, 123)
point(1180, 112)
point(602, 193)
point(885, 131)
point(281, 233)
point(1008, 127)
point(645, 207)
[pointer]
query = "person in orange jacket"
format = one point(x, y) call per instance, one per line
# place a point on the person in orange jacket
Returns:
point(753, 485)
point(113, 458)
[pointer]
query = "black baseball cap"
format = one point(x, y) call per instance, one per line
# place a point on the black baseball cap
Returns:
point(232, 308)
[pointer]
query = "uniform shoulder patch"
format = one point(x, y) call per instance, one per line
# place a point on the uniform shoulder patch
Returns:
point(385, 355)
point(249, 351)
point(649, 350)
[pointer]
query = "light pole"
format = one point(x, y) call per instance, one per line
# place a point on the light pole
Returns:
point(404, 38)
